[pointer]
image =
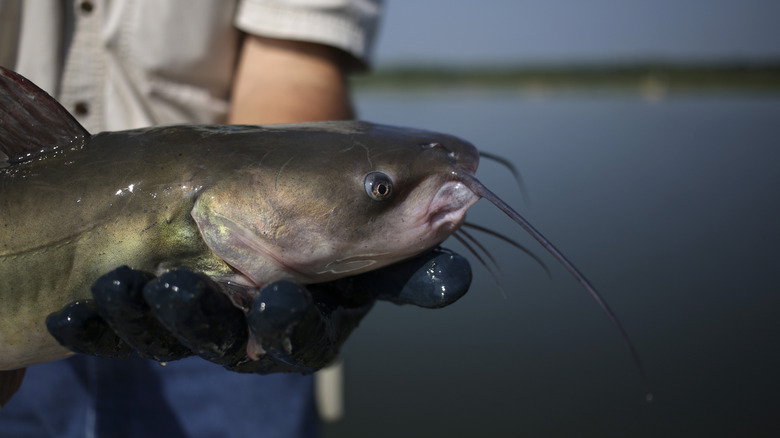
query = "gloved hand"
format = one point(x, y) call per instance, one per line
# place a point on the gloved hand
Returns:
point(286, 327)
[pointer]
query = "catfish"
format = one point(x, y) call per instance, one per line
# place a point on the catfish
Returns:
point(245, 205)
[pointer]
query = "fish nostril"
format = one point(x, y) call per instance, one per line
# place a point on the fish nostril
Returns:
point(431, 145)
point(453, 154)
point(435, 144)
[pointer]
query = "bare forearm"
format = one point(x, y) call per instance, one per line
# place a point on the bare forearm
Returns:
point(279, 81)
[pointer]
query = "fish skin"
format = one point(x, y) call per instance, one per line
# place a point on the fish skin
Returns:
point(126, 198)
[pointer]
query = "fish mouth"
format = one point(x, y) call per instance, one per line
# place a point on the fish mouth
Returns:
point(448, 207)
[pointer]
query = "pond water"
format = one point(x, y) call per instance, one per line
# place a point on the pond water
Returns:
point(670, 205)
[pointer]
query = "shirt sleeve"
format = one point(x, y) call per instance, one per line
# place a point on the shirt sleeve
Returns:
point(349, 25)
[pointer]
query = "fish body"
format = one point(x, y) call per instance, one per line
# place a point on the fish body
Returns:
point(246, 204)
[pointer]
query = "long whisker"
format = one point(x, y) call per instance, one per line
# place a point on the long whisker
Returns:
point(479, 189)
point(511, 242)
point(481, 247)
point(513, 169)
point(481, 260)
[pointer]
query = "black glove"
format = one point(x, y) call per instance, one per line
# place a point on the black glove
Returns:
point(286, 327)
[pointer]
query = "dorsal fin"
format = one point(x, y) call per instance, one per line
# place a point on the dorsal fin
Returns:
point(32, 122)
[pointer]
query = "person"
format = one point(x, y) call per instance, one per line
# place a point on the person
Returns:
point(123, 64)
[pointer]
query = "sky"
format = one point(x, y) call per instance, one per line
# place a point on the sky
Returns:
point(467, 32)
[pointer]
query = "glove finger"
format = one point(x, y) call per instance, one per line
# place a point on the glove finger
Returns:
point(433, 279)
point(119, 301)
point(79, 328)
point(343, 315)
point(296, 327)
point(195, 309)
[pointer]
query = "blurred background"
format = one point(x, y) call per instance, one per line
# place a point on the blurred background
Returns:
point(648, 135)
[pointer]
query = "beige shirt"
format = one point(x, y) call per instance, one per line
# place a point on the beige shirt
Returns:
point(120, 64)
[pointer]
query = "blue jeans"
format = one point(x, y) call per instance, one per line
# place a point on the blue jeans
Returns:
point(101, 398)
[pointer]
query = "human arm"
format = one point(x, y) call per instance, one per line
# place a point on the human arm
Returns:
point(285, 81)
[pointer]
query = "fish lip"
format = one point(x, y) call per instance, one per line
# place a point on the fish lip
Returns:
point(448, 207)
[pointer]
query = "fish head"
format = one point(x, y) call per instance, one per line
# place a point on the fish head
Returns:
point(343, 198)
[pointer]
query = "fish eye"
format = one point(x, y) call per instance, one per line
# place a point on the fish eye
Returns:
point(379, 185)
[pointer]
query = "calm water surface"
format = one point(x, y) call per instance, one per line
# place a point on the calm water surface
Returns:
point(670, 207)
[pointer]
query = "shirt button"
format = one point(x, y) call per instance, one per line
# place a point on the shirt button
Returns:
point(86, 7)
point(81, 109)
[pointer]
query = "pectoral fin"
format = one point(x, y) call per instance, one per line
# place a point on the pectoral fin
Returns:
point(9, 384)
